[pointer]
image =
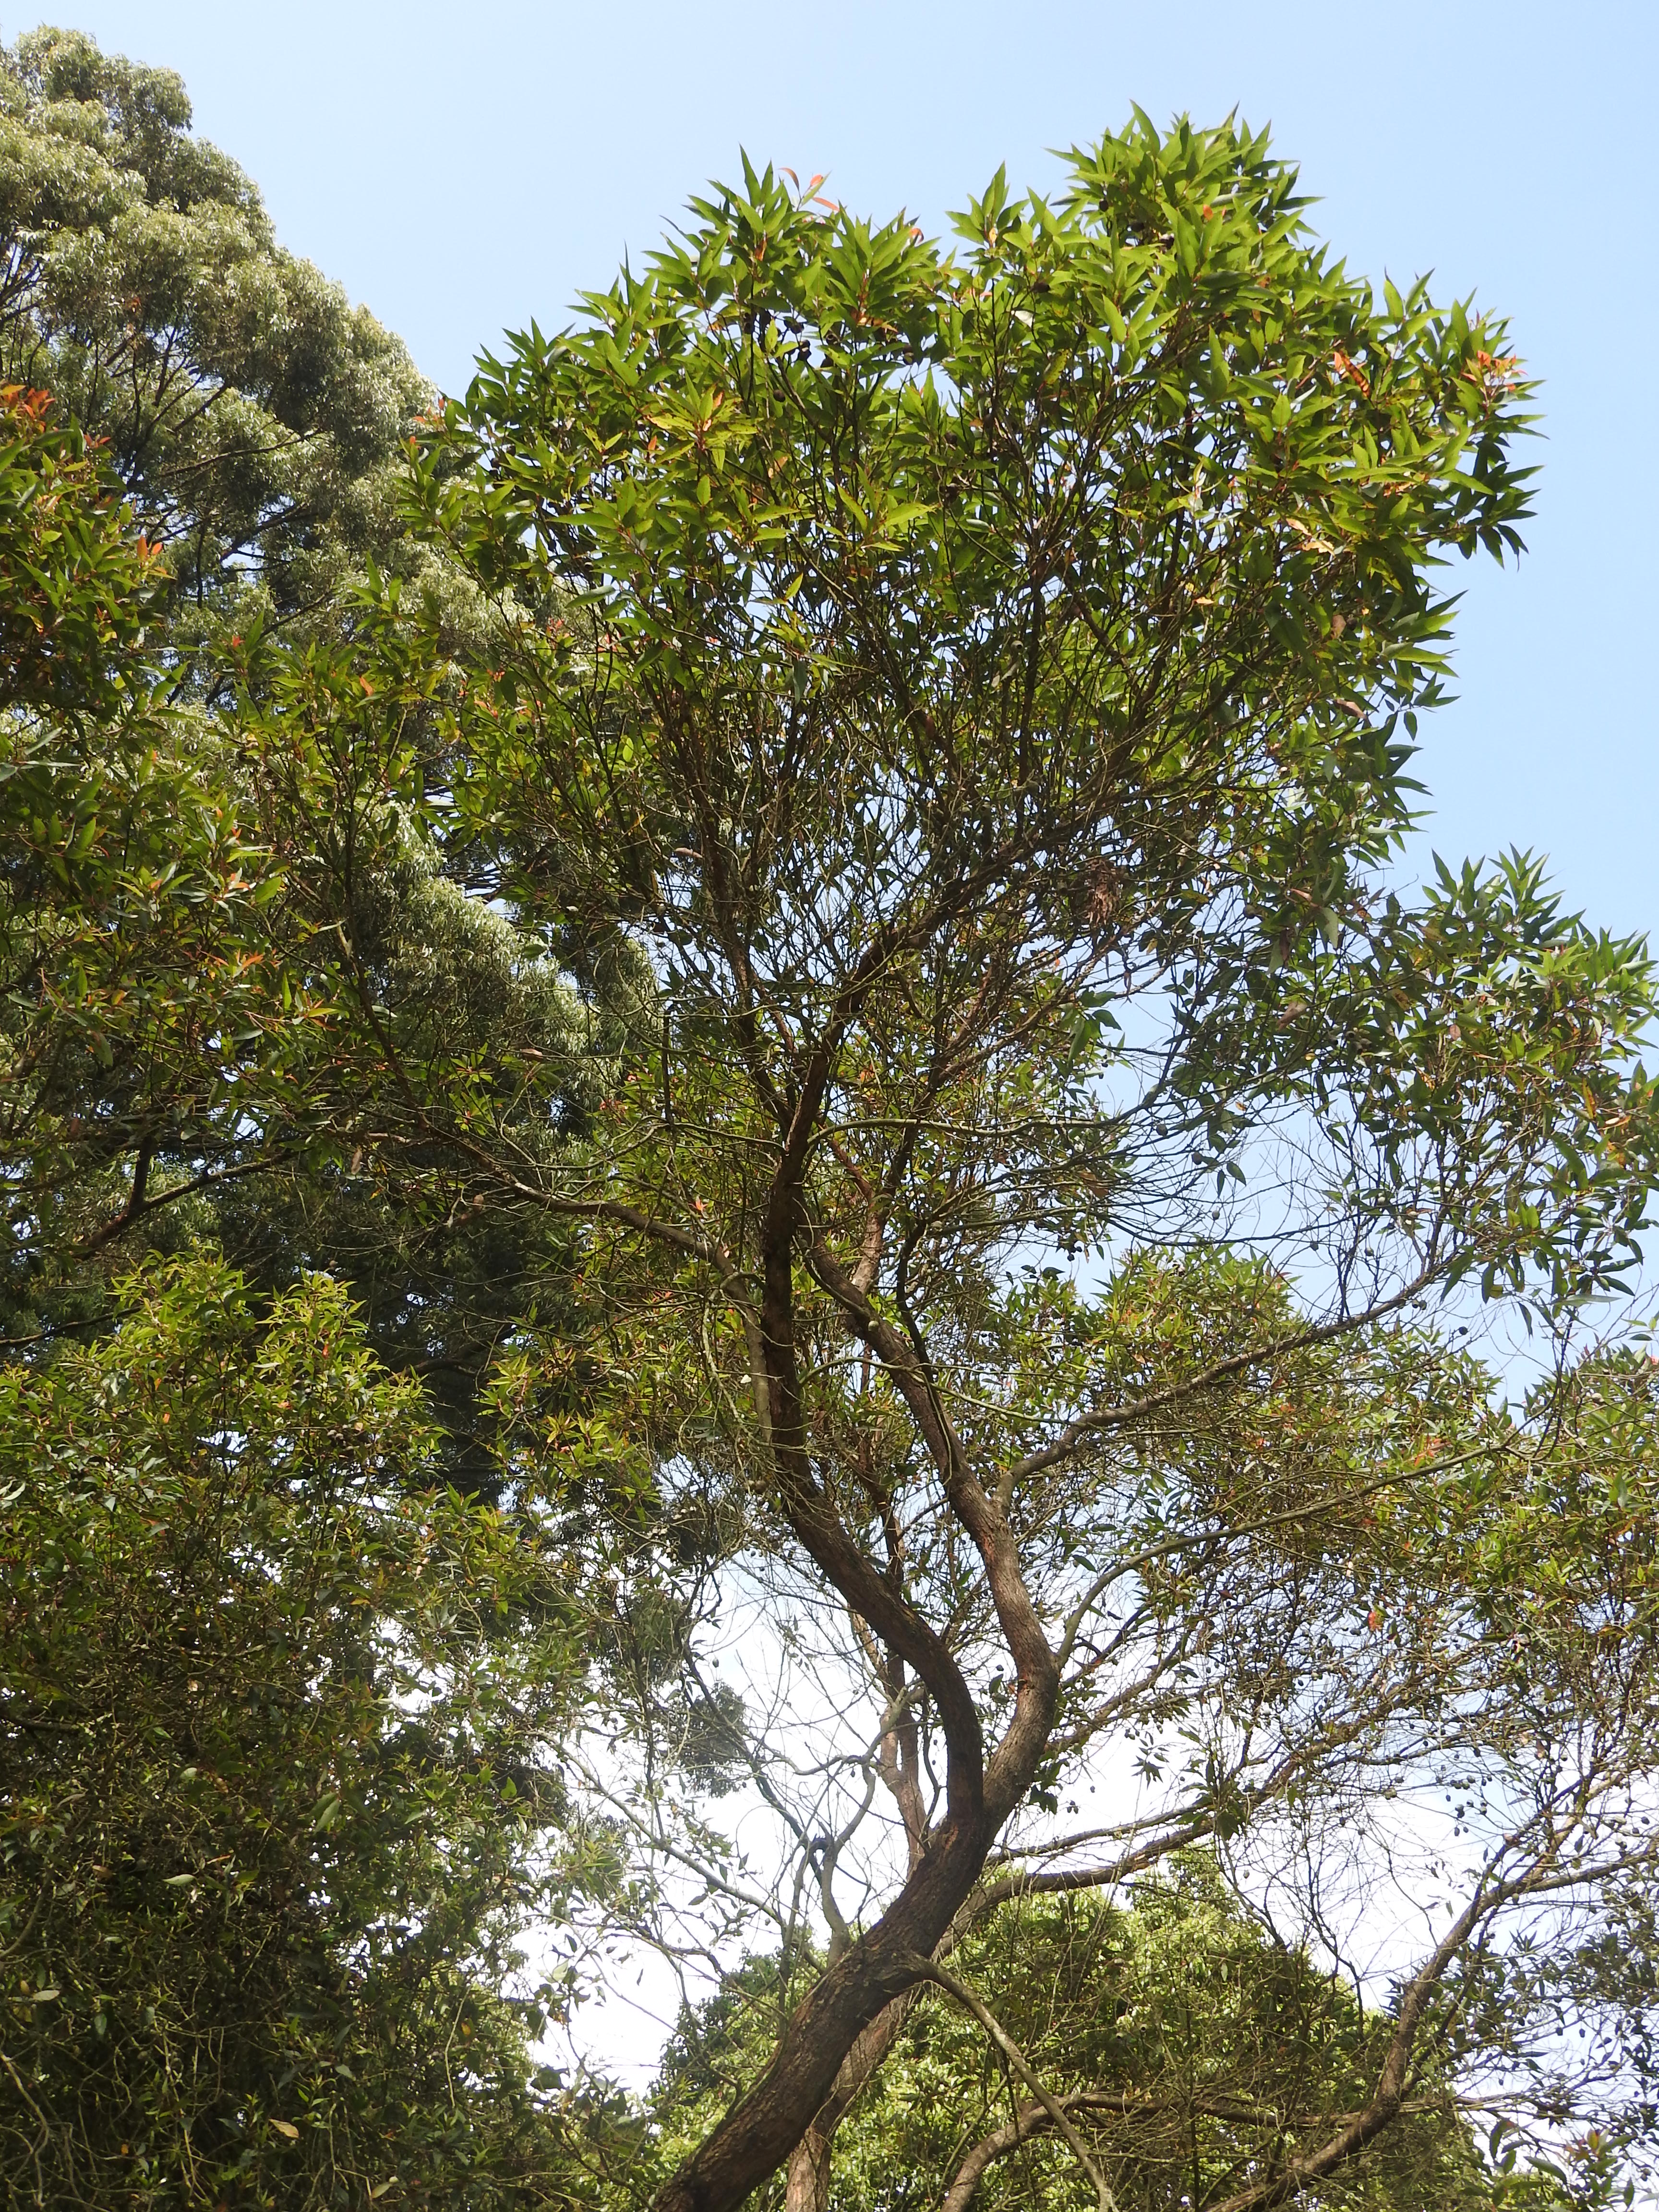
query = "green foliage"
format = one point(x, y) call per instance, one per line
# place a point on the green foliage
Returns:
point(276, 1789)
point(1193, 2051)
point(255, 416)
point(1140, 493)
point(129, 891)
point(985, 684)
point(229, 942)
point(278, 1706)
point(434, 1028)
point(624, 1017)
point(76, 585)
point(948, 655)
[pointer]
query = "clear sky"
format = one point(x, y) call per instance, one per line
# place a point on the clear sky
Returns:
point(465, 167)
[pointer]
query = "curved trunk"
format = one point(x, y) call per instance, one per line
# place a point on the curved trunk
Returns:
point(757, 2135)
point(782, 2110)
point(808, 2185)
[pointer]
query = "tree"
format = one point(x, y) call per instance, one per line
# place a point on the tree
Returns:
point(205, 916)
point(217, 437)
point(279, 1709)
point(278, 1790)
point(255, 418)
point(1186, 2046)
point(253, 423)
point(869, 1029)
point(127, 884)
point(279, 1783)
point(986, 685)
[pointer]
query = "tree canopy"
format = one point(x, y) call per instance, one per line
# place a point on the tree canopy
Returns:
point(264, 1855)
point(256, 418)
point(987, 681)
point(810, 1179)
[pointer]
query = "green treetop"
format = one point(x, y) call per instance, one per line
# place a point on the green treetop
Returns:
point(984, 683)
point(255, 416)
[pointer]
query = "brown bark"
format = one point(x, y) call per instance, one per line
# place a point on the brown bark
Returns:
point(811, 2159)
point(807, 2188)
point(782, 2109)
point(1027, 2119)
point(756, 2137)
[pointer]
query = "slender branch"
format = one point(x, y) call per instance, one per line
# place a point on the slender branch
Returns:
point(1033, 2119)
point(1079, 1432)
point(139, 1207)
point(1316, 1509)
point(1037, 1669)
point(972, 2002)
point(1388, 2101)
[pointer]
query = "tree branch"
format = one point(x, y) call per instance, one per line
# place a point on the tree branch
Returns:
point(1052, 2105)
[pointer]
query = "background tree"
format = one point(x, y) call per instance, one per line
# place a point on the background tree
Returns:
point(216, 928)
point(1189, 2050)
point(278, 1793)
point(279, 1710)
point(986, 685)
point(255, 418)
point(279, 1783)
point(127, 886)
point(176, 1000)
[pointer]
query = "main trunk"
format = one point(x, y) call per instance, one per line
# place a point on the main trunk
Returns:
point(783, 2109)
point(807, 2189)
point(765, 2127)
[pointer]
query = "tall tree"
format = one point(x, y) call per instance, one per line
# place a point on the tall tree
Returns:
point(254, 416)
point(986, 685)
point(127, 886)
point(175, 913)
point(254, 421)
point(920, 820)
point(280, 1783)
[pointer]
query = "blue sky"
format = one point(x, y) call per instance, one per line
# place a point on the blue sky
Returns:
point(463, 168)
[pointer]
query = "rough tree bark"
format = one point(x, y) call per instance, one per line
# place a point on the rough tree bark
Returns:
point(779, 2113)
